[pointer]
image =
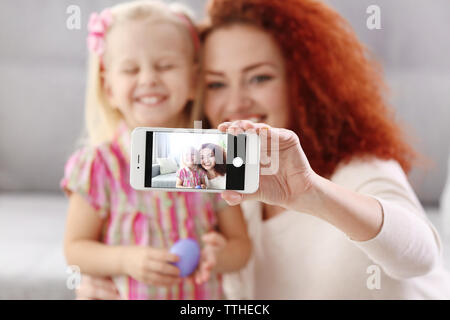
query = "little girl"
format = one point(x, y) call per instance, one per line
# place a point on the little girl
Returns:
point(141, 73)
point(191, 176)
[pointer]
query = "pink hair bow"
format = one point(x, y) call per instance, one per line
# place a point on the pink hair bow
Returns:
point(97, 27)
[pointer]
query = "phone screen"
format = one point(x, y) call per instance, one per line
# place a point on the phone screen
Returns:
point(195, 160)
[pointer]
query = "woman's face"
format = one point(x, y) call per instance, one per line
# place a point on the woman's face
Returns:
point(207, 158)
point(245, 77)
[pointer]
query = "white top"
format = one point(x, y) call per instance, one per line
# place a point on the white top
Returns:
point(219, 182)
point(298, 256)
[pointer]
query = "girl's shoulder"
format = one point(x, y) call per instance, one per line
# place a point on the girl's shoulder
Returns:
point(88, 158)
point(112, 155)
point(91, 171)
point(86, 173)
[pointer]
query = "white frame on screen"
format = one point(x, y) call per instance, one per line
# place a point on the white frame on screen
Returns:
point(138, 151)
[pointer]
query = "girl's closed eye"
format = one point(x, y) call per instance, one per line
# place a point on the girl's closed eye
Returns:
point(165, 66)
point(130, 70)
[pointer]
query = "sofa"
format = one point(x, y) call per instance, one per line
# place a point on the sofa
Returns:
point(159, 180)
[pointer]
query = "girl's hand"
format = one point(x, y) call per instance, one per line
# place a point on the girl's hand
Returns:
point(151, 266)
point(96, 288)
point(203, 186)
point(214, 243)
point(289, 178)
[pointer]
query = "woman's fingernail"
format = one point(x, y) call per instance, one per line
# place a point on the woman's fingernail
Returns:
point(234, 197)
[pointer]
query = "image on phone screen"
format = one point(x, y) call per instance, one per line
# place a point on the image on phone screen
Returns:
point(193, 161)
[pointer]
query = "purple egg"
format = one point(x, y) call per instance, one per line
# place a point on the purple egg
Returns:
point(189, 252)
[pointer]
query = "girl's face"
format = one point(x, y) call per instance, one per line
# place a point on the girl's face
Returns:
point(244, 77)
point(207, 158)
point(149, 72)
point(190, 159)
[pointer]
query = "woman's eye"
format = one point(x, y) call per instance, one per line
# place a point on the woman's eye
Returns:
point(215, 85)
point(260, 78)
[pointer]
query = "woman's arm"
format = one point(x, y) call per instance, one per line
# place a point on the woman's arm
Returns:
point(82, 244)
point(228, 250)
point(359, 216)
point(295, 186)
point(237, 250)
point(391, 233)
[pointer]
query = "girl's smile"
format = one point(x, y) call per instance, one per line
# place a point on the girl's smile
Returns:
point(149, 70)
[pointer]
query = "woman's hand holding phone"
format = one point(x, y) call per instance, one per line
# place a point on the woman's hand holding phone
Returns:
point(290, 179)
point(232, 162)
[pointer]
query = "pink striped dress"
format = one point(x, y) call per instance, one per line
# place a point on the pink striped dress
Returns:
point(144, 218)
point(191, 177)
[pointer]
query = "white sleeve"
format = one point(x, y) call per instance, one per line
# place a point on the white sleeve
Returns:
point(407, 245)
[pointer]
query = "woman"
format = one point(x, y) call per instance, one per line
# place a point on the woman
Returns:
point(338, 219)
point(339, 206)
point(213, 162)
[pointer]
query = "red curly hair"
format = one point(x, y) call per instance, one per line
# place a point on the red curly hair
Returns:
point(337, 94)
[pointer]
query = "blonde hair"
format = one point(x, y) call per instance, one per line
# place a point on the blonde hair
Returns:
point(101, 119)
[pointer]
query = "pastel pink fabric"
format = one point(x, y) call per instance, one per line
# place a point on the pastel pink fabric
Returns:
point(97, 27)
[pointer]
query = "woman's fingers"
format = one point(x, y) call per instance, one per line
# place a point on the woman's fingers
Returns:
point(224, 126)
point(214, 238)
point(103, 283)
point(202, 275)
point(234, 198)
point(97, 288)
point(243, 125)
point(97, 294)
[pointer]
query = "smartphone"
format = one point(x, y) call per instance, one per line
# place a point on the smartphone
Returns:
point(194, 160)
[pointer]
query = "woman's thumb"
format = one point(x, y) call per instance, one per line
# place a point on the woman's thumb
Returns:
point(234, 198)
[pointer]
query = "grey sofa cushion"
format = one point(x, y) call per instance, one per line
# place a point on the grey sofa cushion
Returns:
point(156, 170)
point(165, 180)
point(32, 263)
